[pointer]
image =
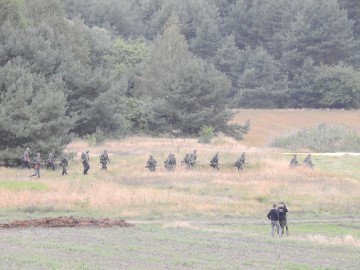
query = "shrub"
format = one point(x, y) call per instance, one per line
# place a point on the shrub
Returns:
point(322, 138)
point(206, 134)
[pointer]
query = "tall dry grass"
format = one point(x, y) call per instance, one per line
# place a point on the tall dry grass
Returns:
point(128, 189)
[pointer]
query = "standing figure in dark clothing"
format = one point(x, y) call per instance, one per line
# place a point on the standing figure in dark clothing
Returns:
point(186, 161)
point(239, 163)
point(170, 163)
point(273, 215)
point(151, 164)
point(192, 158)
point(104, 159)
point(308, 161)
point(85, 161)
point(214, 162)
point(64, 164)
point(294, 162)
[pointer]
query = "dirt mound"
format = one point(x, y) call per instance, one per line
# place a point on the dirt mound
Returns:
point(66, 222)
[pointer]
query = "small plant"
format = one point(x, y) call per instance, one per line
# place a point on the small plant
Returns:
point(97, 138)
point(91, 139)
point(100, 136)
point(206, 134)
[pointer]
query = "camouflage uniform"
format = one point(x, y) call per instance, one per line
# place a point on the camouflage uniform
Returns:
point(186, 161)
point(36, 165)
point(151, 164)
point(193, 157)
point(214, 162)
point(308, 161)
point(294, 162)
point(239, 163)
point(64, 164)
point(283, 210)
point(170, 162)
point(104, 159)
point(85, 161)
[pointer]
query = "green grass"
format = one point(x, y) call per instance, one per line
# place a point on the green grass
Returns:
point(23, 185)
point(197, 245)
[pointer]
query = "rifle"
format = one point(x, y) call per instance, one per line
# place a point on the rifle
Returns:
point(151, 166)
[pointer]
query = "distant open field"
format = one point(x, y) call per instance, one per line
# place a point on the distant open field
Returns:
point(197, 219)
point(267, 124)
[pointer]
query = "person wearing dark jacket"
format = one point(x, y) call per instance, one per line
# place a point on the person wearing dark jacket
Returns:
point(273, 215)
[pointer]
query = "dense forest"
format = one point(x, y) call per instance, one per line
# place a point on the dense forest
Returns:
point(118, 67)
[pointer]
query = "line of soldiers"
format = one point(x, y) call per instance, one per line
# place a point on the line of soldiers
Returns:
point(190, 161)
point(37, 162)
point(307, 162)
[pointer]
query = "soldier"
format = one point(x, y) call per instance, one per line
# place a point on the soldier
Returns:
point(85, 161)
point(186, 161)
point(294, 162)
point(151, 164)
point(239, 163)
point(283, 210)
point(26, 159)
point(214, 162)
point(104, 159)
point(308, 161)
point(64, 164)
point(51, 160)
point(170, 162)
point(273, 215)
point(193, 157)
point(36, 165)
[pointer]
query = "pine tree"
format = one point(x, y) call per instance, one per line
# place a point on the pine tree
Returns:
point(32, 114)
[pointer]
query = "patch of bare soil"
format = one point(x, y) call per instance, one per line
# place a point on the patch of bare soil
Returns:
point(66, 222)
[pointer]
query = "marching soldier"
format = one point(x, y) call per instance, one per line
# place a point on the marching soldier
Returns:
point(214, 162)
point(104, 159)
point(151, 164)
point(85, 161)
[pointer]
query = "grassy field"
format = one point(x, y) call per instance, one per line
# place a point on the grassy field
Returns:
point(267, 124)
point(197, 219)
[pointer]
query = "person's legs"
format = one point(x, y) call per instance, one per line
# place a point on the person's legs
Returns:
point(278, 228)
point(273, 228)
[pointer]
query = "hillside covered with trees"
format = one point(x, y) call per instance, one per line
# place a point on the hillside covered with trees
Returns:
point(167, 67)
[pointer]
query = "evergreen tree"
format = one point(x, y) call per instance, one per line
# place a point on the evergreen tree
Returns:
point(32, 114)
point(322, 31)
point(185, 92)
point(207, 39)
point(227, 59)
point(338, 87)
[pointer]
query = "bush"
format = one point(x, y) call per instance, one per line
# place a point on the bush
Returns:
point(322, 138)
point(206, 134)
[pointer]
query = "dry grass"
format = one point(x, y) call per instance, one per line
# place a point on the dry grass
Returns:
point(267, 124)
point(347, 240)
point(128, 189)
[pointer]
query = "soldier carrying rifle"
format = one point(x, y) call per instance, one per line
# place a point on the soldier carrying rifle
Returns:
point(104, 159)
point(214, 162)
point(151, 164)
point(239, 163)
point(170, 163)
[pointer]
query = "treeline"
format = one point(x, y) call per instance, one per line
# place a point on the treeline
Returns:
point(120, 67)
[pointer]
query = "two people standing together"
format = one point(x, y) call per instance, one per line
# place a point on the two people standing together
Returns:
point(278, 218)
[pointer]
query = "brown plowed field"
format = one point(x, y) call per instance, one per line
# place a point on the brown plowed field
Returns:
point(268, 124)
point(66, 222)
